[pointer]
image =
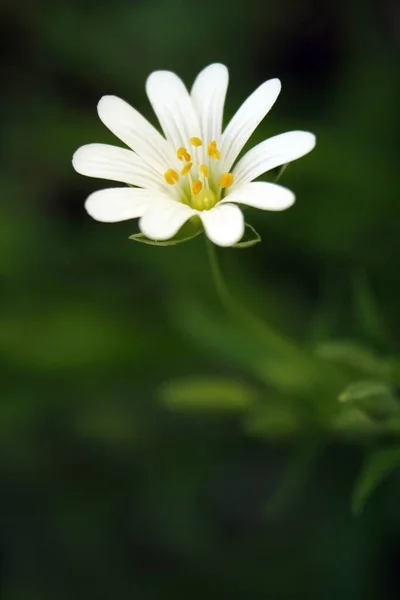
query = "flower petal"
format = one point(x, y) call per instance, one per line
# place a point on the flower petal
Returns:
point(164, 219)
point(260, 194)
point(271, 153)
point(208, 95)
point(116, 164)
point(224, 225)
point(118, 204)
point(174, 107)
point(135, 131)
point(245, 121)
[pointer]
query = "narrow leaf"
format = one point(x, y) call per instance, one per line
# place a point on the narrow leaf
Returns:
point(353, 423)
point(378, 465)
point(355, 356)
point(364, 389)
point(373, 397)
point(211, 394)
point(366, 311)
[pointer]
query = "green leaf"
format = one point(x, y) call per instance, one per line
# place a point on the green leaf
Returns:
point(355, 356)
point(352, 423)
point(394, 366)
point(211, 394)
point(364, 389)
point(272, 421)
point(392, 425)
point(250, 238)
point(373, 397)
point(188, 231)
point(378, 465)
point(219, 337)
point(366, 311)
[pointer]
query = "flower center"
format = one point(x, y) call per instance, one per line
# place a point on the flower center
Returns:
point(199, 182)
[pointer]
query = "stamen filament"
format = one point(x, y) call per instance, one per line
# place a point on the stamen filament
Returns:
point(205, 172)
point(204, 169)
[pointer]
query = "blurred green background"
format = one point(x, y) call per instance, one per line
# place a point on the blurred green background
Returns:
point(150, 447)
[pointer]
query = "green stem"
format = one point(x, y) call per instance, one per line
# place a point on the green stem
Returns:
point(258, 327)
point(301, 462)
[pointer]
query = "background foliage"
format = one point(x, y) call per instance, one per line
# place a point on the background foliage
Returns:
point(149, 446)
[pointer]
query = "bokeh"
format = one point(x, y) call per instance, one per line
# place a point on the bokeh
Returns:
point(150, 446)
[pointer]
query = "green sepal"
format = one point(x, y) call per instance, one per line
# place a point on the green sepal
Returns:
point(250, 238)
point(188, 231)
point(277, 173)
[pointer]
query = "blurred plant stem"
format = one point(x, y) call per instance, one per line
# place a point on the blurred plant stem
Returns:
point(315, 374)
point(274, 340)
point(300, 463)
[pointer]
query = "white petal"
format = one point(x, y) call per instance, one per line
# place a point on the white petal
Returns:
point(223, 224)
point(208, 95)
point(164, 219)
point(260, 194)
point(118, 204)
point(116, 164)
point(173, 106)
point(135, 131)
point(245, 121)
point(271, 153)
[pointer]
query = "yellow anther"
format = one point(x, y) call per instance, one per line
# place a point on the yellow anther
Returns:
point(213, 151)
point(204, 170)
point(196, 187)
point(183, 154)
point(186, 168)
point(196, 141)
point(171, 176)
point(226, 180)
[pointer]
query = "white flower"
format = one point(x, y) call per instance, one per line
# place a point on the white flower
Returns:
point(191, 171)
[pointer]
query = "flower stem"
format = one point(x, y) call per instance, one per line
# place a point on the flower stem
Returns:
point(259, 328)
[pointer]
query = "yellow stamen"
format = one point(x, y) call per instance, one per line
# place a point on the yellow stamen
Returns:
point(186, 168)
point(196, 187)
point(226, 180)
point(204, 170)
point(213, 151)
point(183, 154)
point(171, 176)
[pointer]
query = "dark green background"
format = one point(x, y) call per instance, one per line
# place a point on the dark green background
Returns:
point(106, 491)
